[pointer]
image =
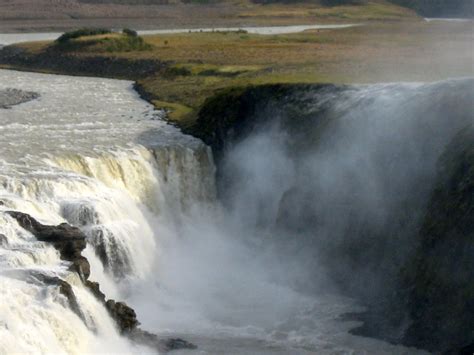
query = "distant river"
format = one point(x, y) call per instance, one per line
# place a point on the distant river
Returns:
point(10, 38)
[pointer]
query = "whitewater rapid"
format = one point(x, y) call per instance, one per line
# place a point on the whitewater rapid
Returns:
point(91, 153)
point(85, 152)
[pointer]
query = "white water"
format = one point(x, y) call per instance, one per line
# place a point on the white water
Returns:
point(91, 153)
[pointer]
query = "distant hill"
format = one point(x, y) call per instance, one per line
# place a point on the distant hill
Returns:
point(61, 15)
point(434, 8)
point(440, 8)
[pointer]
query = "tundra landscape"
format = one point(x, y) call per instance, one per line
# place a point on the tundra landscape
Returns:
point(237, 177)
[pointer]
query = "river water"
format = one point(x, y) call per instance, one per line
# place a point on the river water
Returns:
point(91, 153)
point(11, 38)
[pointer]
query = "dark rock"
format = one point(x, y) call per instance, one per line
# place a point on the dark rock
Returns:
point(112, 255)
point(68, 240)
point(440, 279)
point(434, 306)
point(124, 316)
point(64, 288)
point(233, 114)
point(161, 344)
point(11, 97)
point(178, 343)
point(3, 239)
point(81, 265)
point(467, 350)
point(94, 288)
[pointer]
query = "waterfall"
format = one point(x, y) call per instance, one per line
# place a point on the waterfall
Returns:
point(157, 238)
point(118, 192)
point(117, 199)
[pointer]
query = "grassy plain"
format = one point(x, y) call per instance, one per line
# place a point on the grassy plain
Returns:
point(61, 15)
point(198, 65)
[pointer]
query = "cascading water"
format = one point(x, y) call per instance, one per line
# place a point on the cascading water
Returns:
point(89, 152)
point(59, 165)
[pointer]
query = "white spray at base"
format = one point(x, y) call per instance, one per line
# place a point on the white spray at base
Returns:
point(90, 153)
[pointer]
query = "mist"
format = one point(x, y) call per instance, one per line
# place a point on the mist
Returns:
point(316, 209)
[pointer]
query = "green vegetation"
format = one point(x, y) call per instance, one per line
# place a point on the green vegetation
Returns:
point(130, 32)
point(125, 43)
point(363, 10)
point(83, 32)
point(101, 40)
point(180, 71)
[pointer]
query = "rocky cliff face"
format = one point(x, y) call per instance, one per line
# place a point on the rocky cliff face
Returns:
point(414, 240)
point(440, 278)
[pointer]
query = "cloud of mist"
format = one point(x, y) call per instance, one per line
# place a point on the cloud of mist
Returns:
point(314, 205)
point(349, 194)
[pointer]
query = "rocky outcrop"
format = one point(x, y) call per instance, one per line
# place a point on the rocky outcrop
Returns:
point(65, 289)
point(11, 97)
point(231, 115)
point(70, 242)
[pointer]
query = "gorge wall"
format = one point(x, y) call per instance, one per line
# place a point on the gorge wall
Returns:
point(351, 186)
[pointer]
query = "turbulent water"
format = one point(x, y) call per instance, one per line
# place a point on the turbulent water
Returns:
point(91, 153)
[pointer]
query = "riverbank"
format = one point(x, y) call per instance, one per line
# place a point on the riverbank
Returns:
point(63, 15)
point(180, 71)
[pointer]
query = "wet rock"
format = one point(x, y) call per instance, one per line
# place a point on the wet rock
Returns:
point(11, 97)
point(64, 288)
point(3, 240)
point(433, 307)
point(94, 288)
point(161, 344)
point(124, 316)
point(80, 214)
point(178, 343)
point(81, 265)
point(110, 252)
point(439, 281)
point(68, 240)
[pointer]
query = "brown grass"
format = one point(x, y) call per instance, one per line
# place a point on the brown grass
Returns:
point(201, 64)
